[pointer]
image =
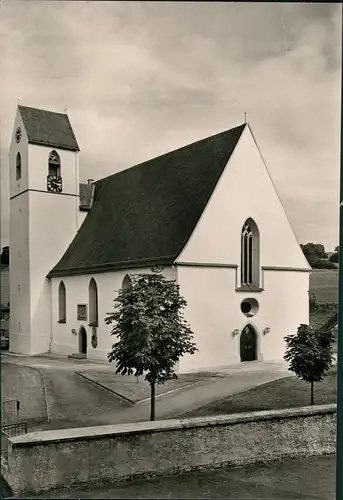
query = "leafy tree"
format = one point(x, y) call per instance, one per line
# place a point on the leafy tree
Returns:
point(322, 264)
point(5, 255)
point(334, 257)
point(314, 250)
point(309, 252)
point(337, 249)
point(150, 329)
point(320, 251)
point(310, 354)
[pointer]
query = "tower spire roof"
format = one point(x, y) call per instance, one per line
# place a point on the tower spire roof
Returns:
point(47, 128)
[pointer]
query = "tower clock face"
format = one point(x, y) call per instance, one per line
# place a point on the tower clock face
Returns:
point(54, 183)
point(18, 135)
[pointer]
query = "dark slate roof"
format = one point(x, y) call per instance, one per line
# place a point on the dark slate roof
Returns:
point(145, 215)
point(47, 128)
point(86, 192)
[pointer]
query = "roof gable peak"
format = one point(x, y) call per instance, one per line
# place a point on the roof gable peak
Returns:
point(181, 149)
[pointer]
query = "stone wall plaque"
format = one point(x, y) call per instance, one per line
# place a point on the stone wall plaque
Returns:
point(82, 312)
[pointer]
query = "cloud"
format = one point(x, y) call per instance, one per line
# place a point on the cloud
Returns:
point(142, 78)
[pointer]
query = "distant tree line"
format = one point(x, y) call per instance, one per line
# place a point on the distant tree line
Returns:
point(317, 256)
point(335, 256)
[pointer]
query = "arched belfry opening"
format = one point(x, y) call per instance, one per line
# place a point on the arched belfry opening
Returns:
point(54, 163)
point(93, 303)
point(250, 254)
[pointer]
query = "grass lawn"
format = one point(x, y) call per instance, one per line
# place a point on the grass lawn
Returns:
point(324, 284)
point(284, 393)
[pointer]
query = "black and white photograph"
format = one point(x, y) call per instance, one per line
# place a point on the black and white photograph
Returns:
point(170, 249)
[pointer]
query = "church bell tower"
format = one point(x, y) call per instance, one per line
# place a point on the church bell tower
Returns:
point(44, 197)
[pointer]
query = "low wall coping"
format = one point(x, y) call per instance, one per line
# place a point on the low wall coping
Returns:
point(102, 431)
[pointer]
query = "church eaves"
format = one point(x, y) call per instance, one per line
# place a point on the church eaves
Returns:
point(144, 215)
point(47, 128)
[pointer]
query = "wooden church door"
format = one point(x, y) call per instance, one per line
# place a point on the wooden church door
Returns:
point(248, 344)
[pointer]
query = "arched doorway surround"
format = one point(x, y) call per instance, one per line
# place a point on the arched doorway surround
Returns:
point(248, 343)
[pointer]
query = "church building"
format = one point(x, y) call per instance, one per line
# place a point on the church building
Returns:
point(208, 213)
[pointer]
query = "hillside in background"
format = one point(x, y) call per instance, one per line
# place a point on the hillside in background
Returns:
point(324, 284)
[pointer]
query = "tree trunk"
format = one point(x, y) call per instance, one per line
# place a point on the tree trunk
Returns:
point(152, 401)
point(312, 393)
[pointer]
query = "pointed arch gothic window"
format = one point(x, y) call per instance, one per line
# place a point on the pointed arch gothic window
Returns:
point(250, 254)
point(62, 303)
point(18, 167)
point(54, 163)
point(93, 303)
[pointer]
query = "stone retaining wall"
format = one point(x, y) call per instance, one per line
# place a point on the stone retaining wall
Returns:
point(49, 459)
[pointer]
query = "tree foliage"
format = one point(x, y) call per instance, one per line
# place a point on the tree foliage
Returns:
point(334, 257)
point(322, 264)
point(309, 354)
point(317, 257)
point(151, 333)
point(314, 250)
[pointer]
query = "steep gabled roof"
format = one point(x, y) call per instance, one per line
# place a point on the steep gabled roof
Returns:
point(145, 215)
point(47, 128)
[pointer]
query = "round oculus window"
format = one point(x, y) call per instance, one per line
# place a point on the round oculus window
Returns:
point(249, 307)
point(245, 307)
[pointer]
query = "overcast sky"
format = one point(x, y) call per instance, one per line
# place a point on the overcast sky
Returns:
point(142, 78)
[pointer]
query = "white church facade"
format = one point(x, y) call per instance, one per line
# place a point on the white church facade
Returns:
point(208, 213)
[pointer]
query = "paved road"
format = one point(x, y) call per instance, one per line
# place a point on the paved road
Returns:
point(311, 479)
point(84, 404)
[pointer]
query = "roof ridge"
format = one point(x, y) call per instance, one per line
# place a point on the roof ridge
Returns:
point(42, 109)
